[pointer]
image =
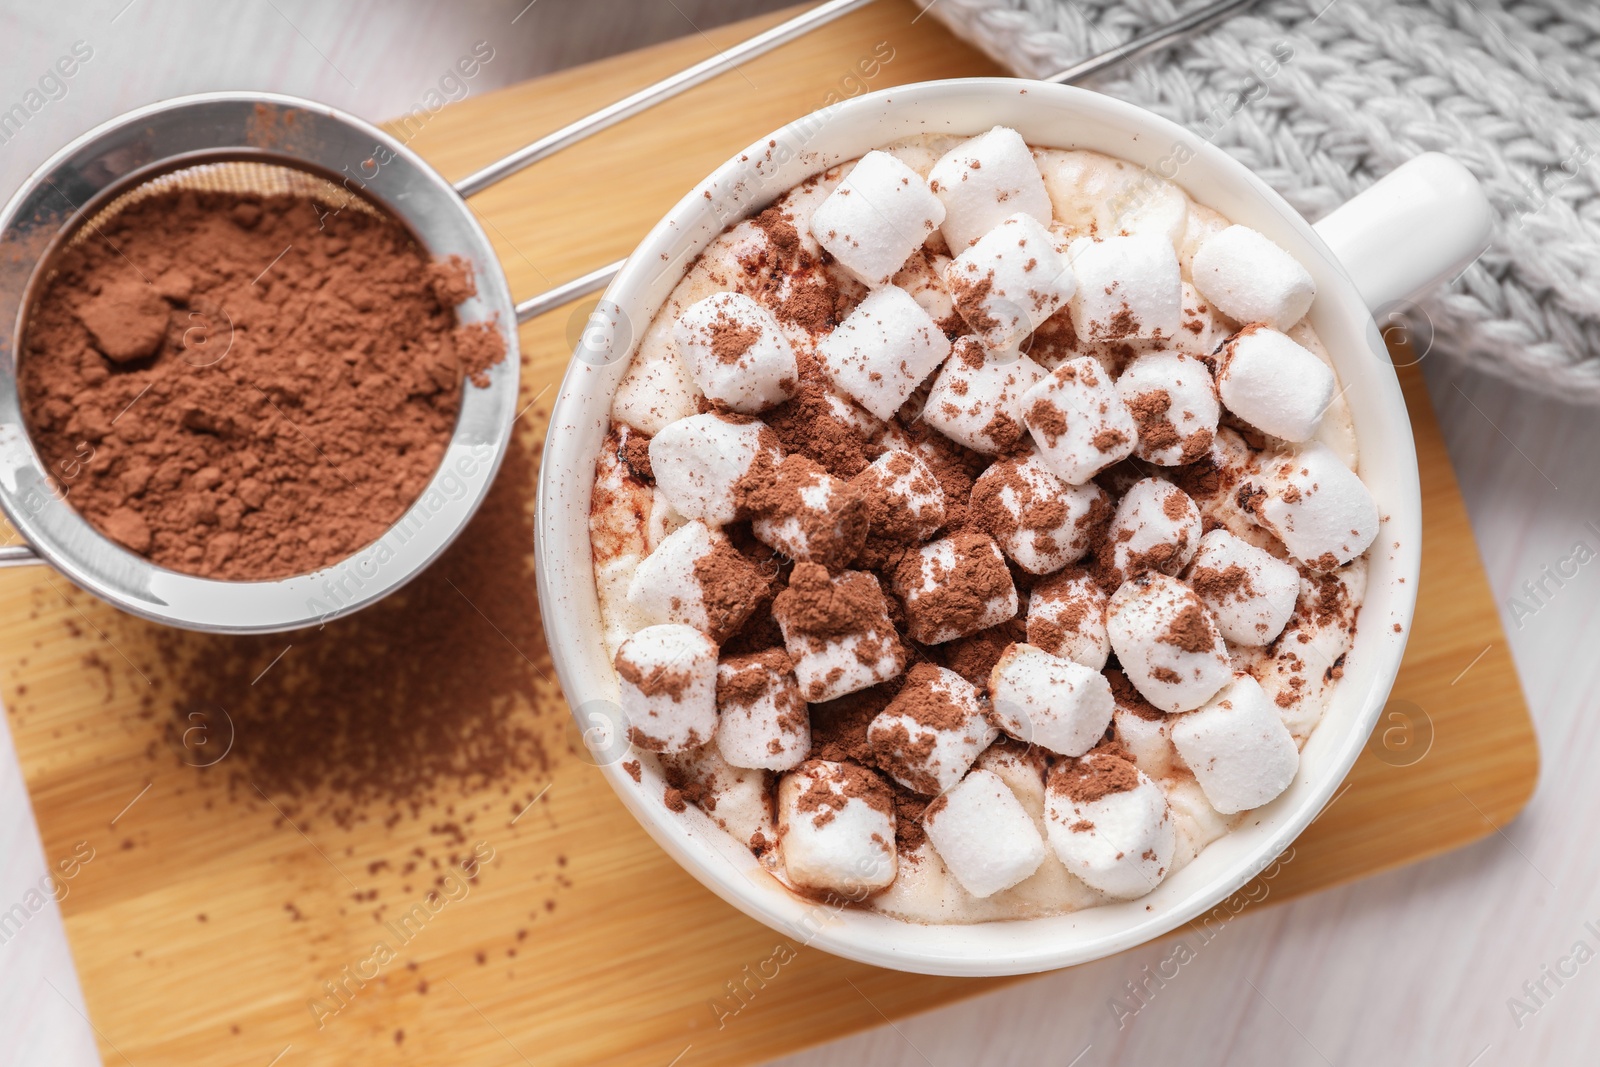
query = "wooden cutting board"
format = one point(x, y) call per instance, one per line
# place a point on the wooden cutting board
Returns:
point(206, 924)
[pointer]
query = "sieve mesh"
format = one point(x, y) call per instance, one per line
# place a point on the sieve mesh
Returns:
point(239, 176)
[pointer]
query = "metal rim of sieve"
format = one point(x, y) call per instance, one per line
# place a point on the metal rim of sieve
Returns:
point(245, 141)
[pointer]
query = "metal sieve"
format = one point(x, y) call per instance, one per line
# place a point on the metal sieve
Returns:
point(251, 143)
point(266, 143)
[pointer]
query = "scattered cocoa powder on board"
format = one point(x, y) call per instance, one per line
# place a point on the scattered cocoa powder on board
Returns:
point(243, 388)
point(446, 684)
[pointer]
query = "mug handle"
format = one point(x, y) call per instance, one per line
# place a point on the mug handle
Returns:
point(1423, 223)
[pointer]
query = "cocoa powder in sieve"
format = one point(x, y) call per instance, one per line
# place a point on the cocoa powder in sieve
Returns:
point(245, 387)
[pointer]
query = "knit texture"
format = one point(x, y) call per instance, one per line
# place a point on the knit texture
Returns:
point(1512, 91)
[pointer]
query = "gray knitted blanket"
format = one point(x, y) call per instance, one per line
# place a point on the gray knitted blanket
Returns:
point(1322, 98)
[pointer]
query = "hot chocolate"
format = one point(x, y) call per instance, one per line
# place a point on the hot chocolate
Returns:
point(1032, 487)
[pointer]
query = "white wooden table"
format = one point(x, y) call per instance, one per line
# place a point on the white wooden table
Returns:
point(1423, 965)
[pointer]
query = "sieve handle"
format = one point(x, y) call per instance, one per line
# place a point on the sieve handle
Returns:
point(1163, 36)
point(567, 292)
point(651, 95)
point(18, 556)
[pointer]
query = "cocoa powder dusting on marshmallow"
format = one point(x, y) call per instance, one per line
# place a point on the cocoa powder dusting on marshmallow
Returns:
point(1101, 772)
point(925, 699)
point(954, 467)
point(730, 340)
point(1232, 581)
point(834, 536)
point(1190, 630)
point(1055, 341)
point(904, 756)
point(1150, 410)
point(806, 424)
point(890, 522)
point(1175, 506)
point(731, 587)
point(970, 296)
point(743, 680)
point(961, 597)
point(1128, 698)
point(653, 681)
point(1044, 418)
point(1109, 440)
point(831, 787)
point(636, 456)
point(823, 608)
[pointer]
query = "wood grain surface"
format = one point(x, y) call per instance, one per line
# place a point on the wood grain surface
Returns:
point(208, 922)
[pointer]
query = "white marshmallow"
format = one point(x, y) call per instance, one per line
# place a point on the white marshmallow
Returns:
point(984, 834)
point(697, 462)
point(1129, 289)
point(1274, 384)
point(829, 664)
point(1174, 401)
point(668, 677)
point(923, 277)
point(737, 352)
point(1067, 618)
point(1093, 193)
point(883, 350)
point(1167, 642)
point(982, 181)
point(1302, 669)
point(654, 391)
point(1229, 464)
point(876, 217)
point(1199, 824)
point(1202, 328)
point(1250, 592)
point(1009, 282)
point(1038, 520)
point(1049, 701)
point(1078, 421)
point(852, 414)
point(1141, 728)
point(738, 799)
point(930, 733)
point(954, 587)
point(1237, 747)
point(1109, 824)
point(1156, 528)
point(836, 828)
point(912, 498)
point(762, 720)
point(976, 399)
point(667, 585)
point(804, 512)
point(1316, 505)
point(1250, 279)
point(1021, 767)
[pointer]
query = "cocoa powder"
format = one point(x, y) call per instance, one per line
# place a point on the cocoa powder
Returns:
point(243, 387)
point(1104, 770)
point(445, 686)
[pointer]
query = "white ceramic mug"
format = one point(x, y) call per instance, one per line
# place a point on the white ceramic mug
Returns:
point(1419, 226)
